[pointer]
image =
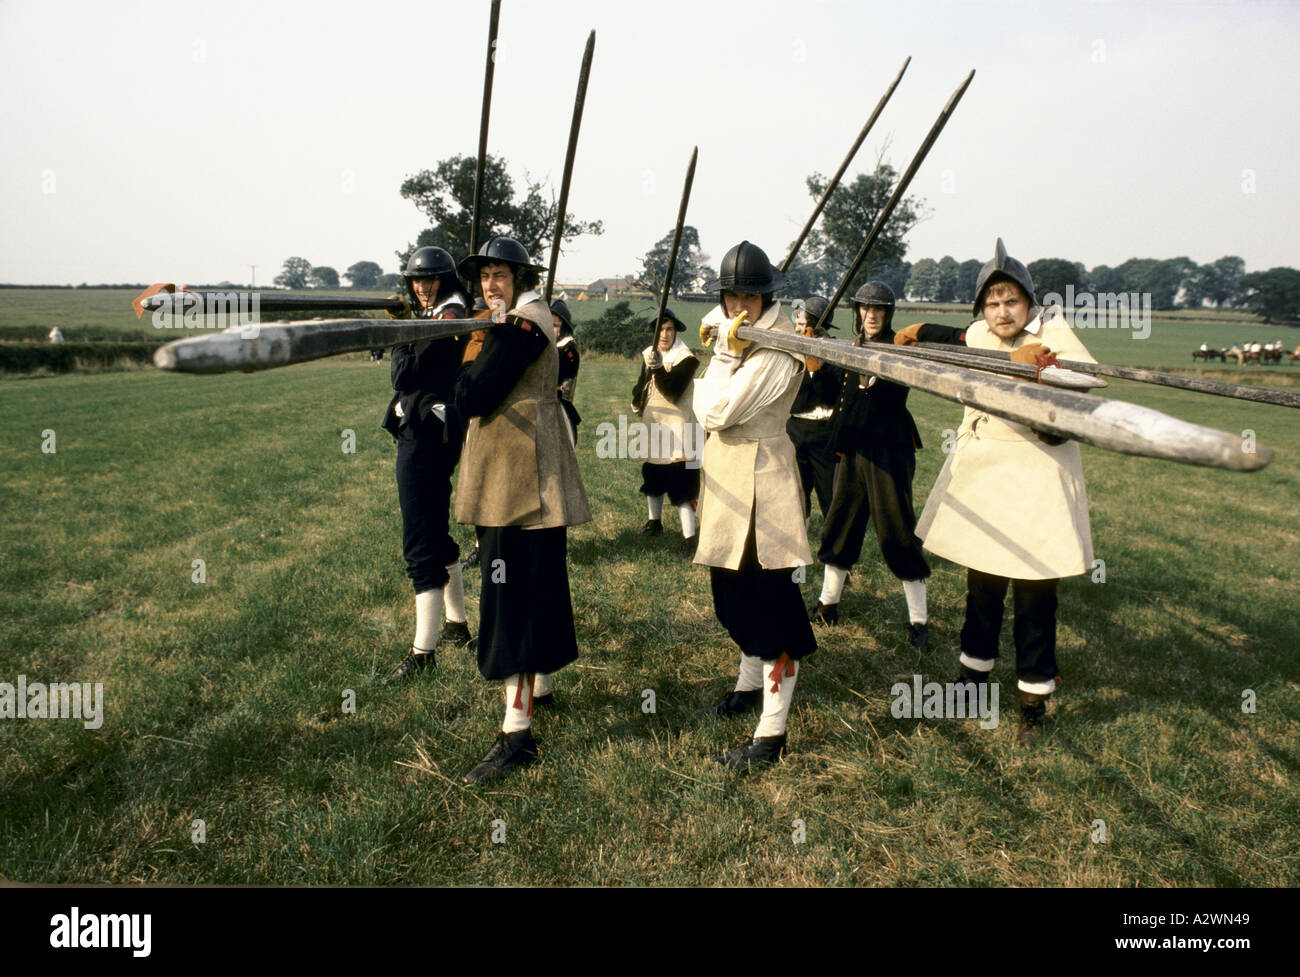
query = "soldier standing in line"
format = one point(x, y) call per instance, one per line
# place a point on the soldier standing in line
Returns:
point(809, 425)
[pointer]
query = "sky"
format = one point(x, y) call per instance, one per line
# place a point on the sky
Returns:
point(189, 140)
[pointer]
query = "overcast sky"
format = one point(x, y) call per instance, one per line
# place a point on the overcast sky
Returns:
point(185, 141)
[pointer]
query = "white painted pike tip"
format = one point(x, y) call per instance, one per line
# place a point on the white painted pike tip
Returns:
point(164, 358)
point(1070, 379)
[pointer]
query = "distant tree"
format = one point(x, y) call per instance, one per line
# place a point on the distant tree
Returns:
point(848, 216)
point(1162, 280)
point(923, 283)
point(968, 274)
point(1055, 274)
point(323, 276)
point(809, 277)
point(392, 282)
point(1273, 294)
point(295, 274)
point(1104, 279)
point(894, 274)
point(445, 195)
point(948, 269)
point(1216, 283)
point(363, 274)
point(687, 270)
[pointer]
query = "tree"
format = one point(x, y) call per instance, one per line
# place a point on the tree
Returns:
point(968, 276)
point(686, 272)
point(809, 277)
point(445, 195)
point(1216, 283)
point(848, 216)
point(323, 276)
point(1056, 275)
point(363, 274)
point(923, 283)
point(1273, 294)
point(394, 283)
point(295, 274)
point(948, 269)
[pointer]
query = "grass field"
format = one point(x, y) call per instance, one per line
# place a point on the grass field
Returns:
point(223, 700)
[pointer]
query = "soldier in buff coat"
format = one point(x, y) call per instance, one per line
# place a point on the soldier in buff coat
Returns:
point(520, 487)
point(752, 534)
point(1010, 504)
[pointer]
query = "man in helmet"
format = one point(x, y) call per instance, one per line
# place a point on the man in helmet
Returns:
point(429, 434)
point(520, 487)
point(662, 396)
point(877, 440)
point(751, 510)
point(567, 347)
point(809, 425)
point(1010, 504)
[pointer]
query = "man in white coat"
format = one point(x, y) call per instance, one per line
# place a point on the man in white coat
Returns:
point(1010, 504)
point(752, 534)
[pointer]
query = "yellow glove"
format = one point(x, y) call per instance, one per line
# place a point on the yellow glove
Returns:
point(398, 307)
point(706, 334)
point(1029, 354)
point(734, 342)
point(908, 335)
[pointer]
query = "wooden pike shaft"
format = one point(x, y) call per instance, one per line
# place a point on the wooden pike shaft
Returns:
point(265, 347)
point(216, 302)
point(480, 165)
point(1110, 424)
point(961, 356)
point(1220, 388)
point(835, 180)
point(677, 241)
point(578, 102)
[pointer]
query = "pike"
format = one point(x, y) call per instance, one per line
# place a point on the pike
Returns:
point(835, 180)
point(1110, 424)
point(1052, 376)
point(209, 303)
point(903, 182)
point(265, 347)
point(493, 18)
point(578, 102)
point(1220, 388)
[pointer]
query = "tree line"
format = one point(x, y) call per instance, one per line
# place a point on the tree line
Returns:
point(445, 193)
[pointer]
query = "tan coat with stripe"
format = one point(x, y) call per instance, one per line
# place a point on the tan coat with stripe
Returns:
point(519, 467)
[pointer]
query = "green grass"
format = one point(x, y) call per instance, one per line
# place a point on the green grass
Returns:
point(223, 699)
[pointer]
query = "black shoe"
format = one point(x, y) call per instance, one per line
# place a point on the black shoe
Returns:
point(652, 527)
point(763, 750)
point(543, 700)
point(969, 674)
point(824, 614)
point(455, 634)
point(411, 665)
point(736, 703)
point(1033, 709)
point(688, 547)
point(509, 751)
point(918, 636)
point(471, 560)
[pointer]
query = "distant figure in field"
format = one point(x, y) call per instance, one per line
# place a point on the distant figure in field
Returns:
point(56, 334)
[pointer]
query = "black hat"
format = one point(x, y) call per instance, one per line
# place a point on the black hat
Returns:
point(746, 270)
point(815, 306)
point(429, 263)
point(558, 308)
point(669, 316)
point(498, 251)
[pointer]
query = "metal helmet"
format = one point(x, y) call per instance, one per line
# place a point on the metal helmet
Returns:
point(815, 305)
point(432, 263)
point(559, 308)
point(1003, 268)
point(746, 270)
point(874, 293)
point(498, 251)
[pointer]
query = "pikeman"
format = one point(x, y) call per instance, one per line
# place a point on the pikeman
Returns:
point(752, 533)
point(429, 435)
point(877, 440)
point(809, 425)
point(662, 396)
point(1010, 504)
point(567, 347)
point(520, 487)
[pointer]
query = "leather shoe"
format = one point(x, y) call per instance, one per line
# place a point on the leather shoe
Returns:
point(652, 527)
point(825, 614)
point(509, 751)
point(763, 750)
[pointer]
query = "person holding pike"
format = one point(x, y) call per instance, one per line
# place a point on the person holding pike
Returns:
point(1010, 504)
point(429, 434)
point(809, 424)
point(520, 488)
point(752, 534)
point(877, 440)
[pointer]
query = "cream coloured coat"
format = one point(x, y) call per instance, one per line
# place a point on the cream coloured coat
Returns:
point(1005, 502)
point(671, 425)
point(749, 463)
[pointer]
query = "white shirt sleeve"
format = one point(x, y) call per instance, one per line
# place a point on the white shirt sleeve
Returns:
point(724, 399)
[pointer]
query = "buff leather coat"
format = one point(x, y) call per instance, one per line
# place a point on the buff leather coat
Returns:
point(1005, 502)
